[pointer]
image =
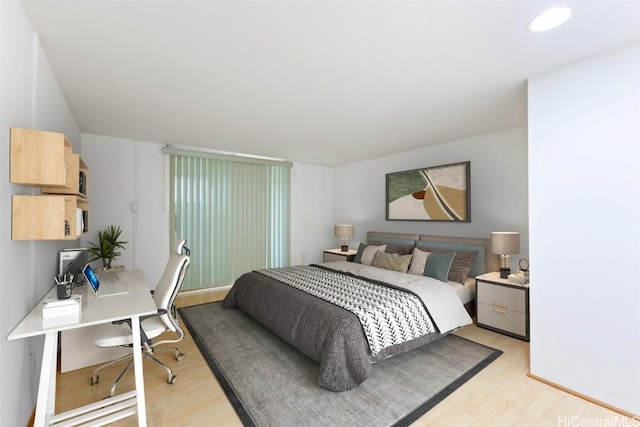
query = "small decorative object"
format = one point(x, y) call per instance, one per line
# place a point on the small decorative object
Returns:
point(82, 183)
point(438, 193)
point(344, 232)
point(523, 265)
point(108, 247)
point(522, 275)
point(64, 284)
point(505, 243)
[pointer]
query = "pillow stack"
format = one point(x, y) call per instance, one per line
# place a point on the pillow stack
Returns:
point(448, 266)
point(366, 252)
point(443, 265)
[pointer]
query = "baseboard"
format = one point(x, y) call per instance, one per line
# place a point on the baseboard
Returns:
point(585, 397)
point(201, 296)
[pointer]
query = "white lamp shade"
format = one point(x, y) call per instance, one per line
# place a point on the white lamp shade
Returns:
point(344, 231)
point(505, 242)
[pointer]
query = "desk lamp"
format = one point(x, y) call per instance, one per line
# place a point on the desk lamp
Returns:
point(505, 243)
point(344, 232)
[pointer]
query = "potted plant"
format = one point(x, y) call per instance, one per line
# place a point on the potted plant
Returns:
point(108, 246)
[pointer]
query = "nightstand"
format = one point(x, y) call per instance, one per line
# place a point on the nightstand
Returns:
point(502, 306)
point(329, 255)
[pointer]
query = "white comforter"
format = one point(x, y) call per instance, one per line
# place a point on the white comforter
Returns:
point(441, 301)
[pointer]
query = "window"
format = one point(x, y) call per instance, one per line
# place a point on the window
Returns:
point(233, 212)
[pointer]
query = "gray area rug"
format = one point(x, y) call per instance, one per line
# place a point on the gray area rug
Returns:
point(270, 383)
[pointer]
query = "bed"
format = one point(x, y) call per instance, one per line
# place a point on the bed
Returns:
point(348, 316)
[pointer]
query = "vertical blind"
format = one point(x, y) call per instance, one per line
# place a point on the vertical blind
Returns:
point(234, 215)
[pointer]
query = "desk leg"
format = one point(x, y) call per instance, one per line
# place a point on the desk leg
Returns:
point(137, 366)
point(46, 403)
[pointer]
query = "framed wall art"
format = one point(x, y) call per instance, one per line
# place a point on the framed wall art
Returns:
point(438, 193)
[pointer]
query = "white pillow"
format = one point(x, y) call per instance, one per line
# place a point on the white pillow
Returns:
point(418, 262)
point(369, 252)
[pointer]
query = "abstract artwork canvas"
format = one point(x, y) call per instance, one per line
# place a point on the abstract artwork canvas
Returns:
point(438, 193)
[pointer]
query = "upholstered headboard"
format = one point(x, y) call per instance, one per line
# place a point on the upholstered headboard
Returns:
point(484, 262)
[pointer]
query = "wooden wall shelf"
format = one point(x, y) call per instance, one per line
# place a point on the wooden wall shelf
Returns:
point(46, 160)
point(47, 217)
point(39, 158)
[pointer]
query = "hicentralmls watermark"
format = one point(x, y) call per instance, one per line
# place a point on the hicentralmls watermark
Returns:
point(615, 421)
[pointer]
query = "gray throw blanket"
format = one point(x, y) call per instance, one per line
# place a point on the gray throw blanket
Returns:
point(388, 315)
point(324, 332)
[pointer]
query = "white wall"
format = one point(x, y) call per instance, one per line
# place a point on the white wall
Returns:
point(124, 170)
point(29, 97)
point(111, 189)
point(498, 189)
point(584, 151)
point(151, 223)
point(311, 212)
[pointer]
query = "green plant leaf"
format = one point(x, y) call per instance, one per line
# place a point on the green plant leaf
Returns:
point(108, 245)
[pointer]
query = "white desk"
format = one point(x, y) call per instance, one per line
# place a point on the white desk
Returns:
point(136, 303)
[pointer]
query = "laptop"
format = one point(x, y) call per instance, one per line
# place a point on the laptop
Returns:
point(110, 286)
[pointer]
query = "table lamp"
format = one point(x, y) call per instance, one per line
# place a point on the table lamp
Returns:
point(505, 243)
point(344, 232)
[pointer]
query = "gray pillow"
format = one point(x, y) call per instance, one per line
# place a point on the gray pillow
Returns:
point(358, 258)
point(461, 266)
point(438, 265)
point(394, 248)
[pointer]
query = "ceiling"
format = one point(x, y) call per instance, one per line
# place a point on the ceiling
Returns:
point(320, 82)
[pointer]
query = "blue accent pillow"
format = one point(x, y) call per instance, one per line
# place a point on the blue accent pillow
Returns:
point(358, 258)
point(478, 266)
point(438, 265)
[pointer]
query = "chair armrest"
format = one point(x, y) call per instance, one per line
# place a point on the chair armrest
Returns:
point(143, 337)
point(160, 312)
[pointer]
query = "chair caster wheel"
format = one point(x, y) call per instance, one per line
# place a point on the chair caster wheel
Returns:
point(95, 379)
point(179, 356)
point(172, 380)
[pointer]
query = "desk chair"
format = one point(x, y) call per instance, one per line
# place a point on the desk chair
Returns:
point(153, 325)
point(180, 249)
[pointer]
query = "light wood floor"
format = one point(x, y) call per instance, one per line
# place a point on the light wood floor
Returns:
point(501, 394)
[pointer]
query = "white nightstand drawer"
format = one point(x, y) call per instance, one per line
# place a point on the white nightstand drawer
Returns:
point(329, 257)
point(500, 318)
point(512, 299)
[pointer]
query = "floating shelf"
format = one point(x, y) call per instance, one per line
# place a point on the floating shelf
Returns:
point(45, 159)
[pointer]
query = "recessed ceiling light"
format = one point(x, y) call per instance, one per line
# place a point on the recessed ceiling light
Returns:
point(550, 19)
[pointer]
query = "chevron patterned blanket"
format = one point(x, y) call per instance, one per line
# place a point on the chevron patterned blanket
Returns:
point(389, 316)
